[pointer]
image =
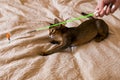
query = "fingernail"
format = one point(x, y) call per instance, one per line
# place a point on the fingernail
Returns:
point(113, 7)
point(96, 13)
point(105, 8)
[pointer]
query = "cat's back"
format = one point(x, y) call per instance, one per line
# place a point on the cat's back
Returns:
point(85, 32)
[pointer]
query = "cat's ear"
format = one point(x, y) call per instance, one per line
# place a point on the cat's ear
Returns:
point(61, 26)
point(56, 21)
point(58, 26)
point(50, 25)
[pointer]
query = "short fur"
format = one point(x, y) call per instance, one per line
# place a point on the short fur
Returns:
point(65, 37)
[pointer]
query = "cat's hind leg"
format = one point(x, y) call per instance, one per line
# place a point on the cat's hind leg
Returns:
point(102, 29)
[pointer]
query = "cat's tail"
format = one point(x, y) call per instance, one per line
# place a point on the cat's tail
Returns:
point(84, 14)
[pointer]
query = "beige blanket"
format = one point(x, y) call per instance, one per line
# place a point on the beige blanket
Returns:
point(20, 59)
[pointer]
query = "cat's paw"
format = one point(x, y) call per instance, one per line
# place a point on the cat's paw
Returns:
point(98, 39)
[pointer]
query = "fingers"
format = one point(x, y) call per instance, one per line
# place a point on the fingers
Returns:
point(99, 8)
point(105, 8)
point(96, 11)
point(100, 12)
point(108, 10)
point(103, 11)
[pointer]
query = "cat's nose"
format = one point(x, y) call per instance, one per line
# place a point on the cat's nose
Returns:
point(51, 36)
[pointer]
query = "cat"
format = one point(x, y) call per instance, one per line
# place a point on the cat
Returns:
point(65, 37)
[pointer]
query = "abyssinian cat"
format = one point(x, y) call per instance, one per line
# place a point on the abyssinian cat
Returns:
point(65, 37)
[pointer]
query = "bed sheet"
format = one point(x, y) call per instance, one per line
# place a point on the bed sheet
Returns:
point(20, 59)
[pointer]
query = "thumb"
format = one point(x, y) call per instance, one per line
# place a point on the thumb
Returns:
point(100, 5)
point(99, 8)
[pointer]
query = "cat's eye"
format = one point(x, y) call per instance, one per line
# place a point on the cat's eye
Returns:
point(53, 31)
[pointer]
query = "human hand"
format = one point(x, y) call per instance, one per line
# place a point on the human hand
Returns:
point(105, 7)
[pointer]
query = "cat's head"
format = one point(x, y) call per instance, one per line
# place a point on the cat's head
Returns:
point(55, 32)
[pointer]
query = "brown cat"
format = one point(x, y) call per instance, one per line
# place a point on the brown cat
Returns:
point(65, 37)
